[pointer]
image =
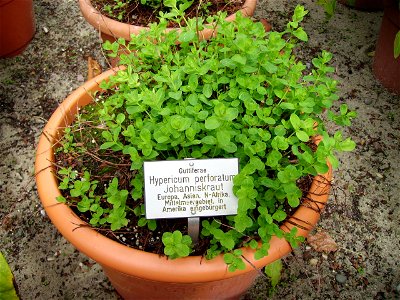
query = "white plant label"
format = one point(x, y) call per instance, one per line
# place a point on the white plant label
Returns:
point(190, 188)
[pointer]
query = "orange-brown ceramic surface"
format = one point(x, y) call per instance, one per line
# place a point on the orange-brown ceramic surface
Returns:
point(387, 68)
point(133, 287)
point(111, 29)
point(17, 26)
point(134, 263)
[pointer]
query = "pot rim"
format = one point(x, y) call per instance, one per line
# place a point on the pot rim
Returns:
point(117, 29)
point(138, 263)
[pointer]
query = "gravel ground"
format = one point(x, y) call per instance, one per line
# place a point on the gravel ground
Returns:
point(362, 216)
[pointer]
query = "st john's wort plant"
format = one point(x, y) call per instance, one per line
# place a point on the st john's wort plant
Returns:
point(243, 93)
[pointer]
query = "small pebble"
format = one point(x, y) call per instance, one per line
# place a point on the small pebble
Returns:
point(46, 30)
point(368, 101)
point(341, 278)
point(43, 212)
point(324, 256)
point(51, 258)
point(313, 261)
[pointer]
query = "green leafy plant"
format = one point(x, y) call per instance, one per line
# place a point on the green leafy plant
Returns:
point(116, 9)
point(273, 271)
point(329, 7)
point(7, 288)
point(243, 94)
point(176, 245)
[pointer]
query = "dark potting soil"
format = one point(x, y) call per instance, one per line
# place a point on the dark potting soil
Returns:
point(133, 235)
point(141, 15)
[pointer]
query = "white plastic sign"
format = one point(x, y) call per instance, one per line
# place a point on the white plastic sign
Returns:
point(190, 188)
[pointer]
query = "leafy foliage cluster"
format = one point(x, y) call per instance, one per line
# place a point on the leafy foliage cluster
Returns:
point(243, 94)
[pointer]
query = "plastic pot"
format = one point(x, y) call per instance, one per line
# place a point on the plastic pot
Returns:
point(385, 67)
point(17, 26)
point(137, 274)
point(112, 30)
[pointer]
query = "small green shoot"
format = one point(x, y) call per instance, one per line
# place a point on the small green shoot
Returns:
point(176, 245)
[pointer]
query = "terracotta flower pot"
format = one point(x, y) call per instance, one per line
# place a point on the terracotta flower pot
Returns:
point(112, 30)
point(368, 5)
point(385, 67)
point(137, 274)
point(17, 26)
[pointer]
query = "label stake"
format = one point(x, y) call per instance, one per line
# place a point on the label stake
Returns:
point(194, 229)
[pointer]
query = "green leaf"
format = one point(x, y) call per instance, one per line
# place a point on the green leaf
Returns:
point(302, 136)
point(193, 83)
point(61, 199)
point(343, 109)
point(253, 244)
point(249, 69)
point(192, 98)
point(347, 145)
point(176, 245)
point(300, 34)
point(207, 90)
point(273, 158)
point(299, 13)
point(262, 251)
point(212, 123)
point(334, 161)
point(239, 59)
point(228, 242)
point(7, 289)
point(279, 215)
point(396, 48)
point(242, 221)
point(287, 105)
point(145, 135)
point(227, 62)
point(229, 258)
point(279, 143)
point(209, 140)
point(234, 261)
point(223, 137)
point(175, 95)
point(280, 130)
point(187, 36)
point(293, 200)
point(107, 145)
point(273, 271)
point(107, 135)
point(269, 67)
point(117, 218)
point(321, 168)
point(295, 120)
point(230, 147)
point(231, 114)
